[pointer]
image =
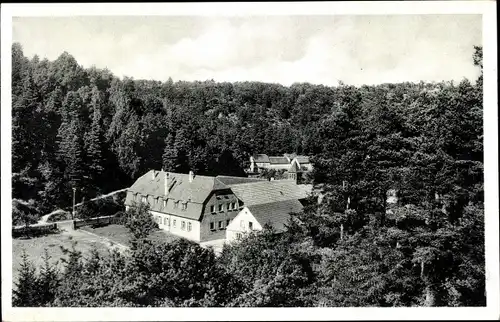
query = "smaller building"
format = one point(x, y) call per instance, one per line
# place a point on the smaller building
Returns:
point(293, 164)
point(256, 217)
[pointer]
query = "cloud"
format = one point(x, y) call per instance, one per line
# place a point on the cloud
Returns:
point(317, 49)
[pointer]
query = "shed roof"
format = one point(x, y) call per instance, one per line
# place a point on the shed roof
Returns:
point(228, 180)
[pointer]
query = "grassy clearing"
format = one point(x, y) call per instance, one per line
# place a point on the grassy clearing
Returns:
point(120, 234)
point(35, 247)
point(84, 242)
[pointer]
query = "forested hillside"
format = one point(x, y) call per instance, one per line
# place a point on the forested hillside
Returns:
point(85, 127)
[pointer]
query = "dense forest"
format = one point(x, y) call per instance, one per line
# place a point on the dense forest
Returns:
point(87, 128)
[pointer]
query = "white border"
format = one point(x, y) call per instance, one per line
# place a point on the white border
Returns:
point(486, 8)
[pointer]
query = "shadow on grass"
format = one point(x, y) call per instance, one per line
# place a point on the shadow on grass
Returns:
point(26, 234)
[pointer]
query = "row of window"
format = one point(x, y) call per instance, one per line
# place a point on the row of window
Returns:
point(228, 206)
point(220, 224)
point(165, 221)
point(176, 203)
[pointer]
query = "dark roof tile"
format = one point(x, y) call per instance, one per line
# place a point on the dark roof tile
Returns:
point(275, 214)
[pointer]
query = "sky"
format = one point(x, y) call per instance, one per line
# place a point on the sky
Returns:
point(354, 49)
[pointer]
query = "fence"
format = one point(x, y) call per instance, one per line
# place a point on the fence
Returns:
point(96, 222)
point(37, 229)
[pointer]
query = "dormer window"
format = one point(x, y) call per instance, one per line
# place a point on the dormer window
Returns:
point(221, 208)
point(176, 204)
point(184, 205)
point(212, 208)
point(144, 199)
point(164, 204)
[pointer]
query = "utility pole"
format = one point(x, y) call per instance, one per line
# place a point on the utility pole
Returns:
point(73, 213)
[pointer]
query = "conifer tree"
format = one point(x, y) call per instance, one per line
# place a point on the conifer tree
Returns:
point(48, 280)
point(25, 291)
point(94, 145)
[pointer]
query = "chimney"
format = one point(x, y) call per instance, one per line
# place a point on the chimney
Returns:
point(166, 184)
point(191, 176)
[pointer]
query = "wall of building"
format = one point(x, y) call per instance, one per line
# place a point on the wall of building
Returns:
point(218, 218)
point(240, 225)
point(183, 227)
point(279, 166)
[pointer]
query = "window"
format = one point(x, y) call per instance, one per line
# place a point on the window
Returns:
point(250, 225)
point(227, 222)
point(183, 225)
point(221, 224)
point(164, 204)
point(156, 200)
point(235, 206)
point(238, 235)
point(165, 221)
point(174, 223)
point(242, 224)
point(189, 226)
point(212, 208)
point(221, 208)
point(212, 226)
point(176, 204)
point(184, 205)
point(144, 199)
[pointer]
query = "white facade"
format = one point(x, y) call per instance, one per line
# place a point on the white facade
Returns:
point(183, 227)
point(243, 223)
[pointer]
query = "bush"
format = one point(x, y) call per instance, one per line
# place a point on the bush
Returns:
point(59, 215)
point(120, 218)
point(99, 208)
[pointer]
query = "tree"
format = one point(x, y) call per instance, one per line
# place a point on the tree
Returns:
point(170, 155)
point(140, 222)
point(25, 292)
point(48, 281)
point(94, 144)
point(23, 213)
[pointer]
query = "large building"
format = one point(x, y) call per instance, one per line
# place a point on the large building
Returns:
point(201, 208)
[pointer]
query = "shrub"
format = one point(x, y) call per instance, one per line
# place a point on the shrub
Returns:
point(99, 208)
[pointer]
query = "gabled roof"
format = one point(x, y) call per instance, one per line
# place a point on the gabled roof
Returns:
point(261, 158)
point(294, 168)
point(278, 160)
point(302, 159)
point(275, 214)
point(172, 207)
point(268, 191)
point(179, 186)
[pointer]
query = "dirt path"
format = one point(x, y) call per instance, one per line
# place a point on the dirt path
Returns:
point(112, 245)
point(44, 219)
